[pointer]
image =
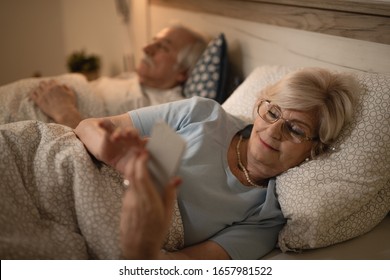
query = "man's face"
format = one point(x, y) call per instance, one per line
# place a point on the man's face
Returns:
point(158, 68)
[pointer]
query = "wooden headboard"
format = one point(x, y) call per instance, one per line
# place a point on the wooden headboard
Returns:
point(339, 34)
point(358, 19)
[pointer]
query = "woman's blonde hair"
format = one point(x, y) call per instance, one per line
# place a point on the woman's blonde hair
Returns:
point(331, 95)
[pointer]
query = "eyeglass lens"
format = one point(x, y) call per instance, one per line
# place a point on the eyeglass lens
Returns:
point(272, 113)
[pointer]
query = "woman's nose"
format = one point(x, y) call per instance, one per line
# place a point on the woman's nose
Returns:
point(276, 129)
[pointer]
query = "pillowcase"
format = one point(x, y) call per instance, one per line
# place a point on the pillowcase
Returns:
point(241, 102)
point(209, 76)
point(344, 194)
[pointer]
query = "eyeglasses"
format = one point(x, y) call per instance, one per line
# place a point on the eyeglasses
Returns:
point(294, 131)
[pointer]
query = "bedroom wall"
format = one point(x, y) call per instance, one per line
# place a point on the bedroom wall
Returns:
point(28, 43)
point(96, 27)
point(37, 36)
point(252, 44)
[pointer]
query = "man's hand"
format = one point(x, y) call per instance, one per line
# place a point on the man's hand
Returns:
point(58, 102)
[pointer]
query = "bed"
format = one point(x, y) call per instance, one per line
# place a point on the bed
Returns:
point(272, 37)
point(60, 214)
point(58, 203)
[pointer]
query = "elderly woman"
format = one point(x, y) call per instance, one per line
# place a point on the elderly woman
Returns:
point(227, 196)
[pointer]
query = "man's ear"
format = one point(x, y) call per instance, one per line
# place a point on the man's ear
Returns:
point(182, 76)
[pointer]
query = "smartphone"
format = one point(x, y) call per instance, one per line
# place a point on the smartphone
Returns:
point(165, 149)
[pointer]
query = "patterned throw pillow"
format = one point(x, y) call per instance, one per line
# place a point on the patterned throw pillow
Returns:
point(343, 195)
point(208, 78)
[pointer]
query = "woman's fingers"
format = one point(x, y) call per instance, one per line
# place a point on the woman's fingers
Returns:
point(107, 125)
point(144, 183)
point(145, 214)
point(129, 170)
point(136, 171)
point(117, 133)
point(141, 173)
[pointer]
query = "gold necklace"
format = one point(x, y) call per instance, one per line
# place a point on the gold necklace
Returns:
point(242, 167)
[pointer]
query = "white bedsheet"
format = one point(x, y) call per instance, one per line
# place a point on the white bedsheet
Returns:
point(56, 202)
point(16, 106)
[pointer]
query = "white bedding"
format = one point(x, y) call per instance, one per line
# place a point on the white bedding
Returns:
point(56, 203)
point(373, 245)
point(16, 105)
point(103, 97)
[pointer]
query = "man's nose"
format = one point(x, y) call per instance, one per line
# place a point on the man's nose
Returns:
point(150, 49)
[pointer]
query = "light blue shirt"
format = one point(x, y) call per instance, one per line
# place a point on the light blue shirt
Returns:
point(213, 203)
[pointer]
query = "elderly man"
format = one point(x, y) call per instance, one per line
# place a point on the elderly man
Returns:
point(167, 63)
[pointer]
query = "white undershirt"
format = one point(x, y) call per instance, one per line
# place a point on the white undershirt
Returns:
point(121, 95)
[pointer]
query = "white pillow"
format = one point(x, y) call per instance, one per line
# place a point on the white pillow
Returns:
point(242, 101)
point(345, 194)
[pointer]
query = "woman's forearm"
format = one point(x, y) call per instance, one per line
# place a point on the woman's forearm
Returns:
point(90, 133)
point(97, 134)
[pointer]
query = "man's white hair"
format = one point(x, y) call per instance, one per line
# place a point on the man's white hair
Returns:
point(189, 55)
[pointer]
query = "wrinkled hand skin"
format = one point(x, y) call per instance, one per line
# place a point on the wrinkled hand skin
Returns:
point(57, 101)
point(117, 146)
point(146, 214)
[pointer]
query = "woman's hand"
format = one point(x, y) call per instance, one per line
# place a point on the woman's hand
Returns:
point(119, 145)
point(110, 139)
point(146, 214)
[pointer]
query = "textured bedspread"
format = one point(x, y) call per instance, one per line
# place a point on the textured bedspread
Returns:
point(56, 203)
point(16, 106)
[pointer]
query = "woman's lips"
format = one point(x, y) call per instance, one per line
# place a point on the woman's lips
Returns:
point(268, 146)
